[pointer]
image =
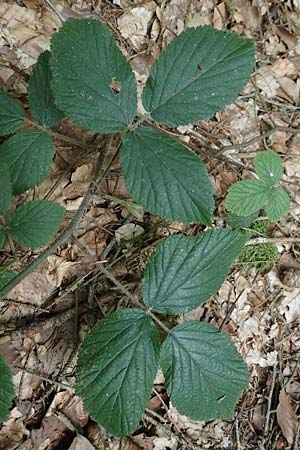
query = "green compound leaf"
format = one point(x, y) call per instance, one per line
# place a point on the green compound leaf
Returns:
point(7, 391)
point(6, 275)
point(184, 271)
point(93, 82)
point(41, 99)
point(12, 114)
point(116, 368)
point(5, 188)
point(28, 155)
point(199, 73)
point(35, 223)
point(204, 373)
point(278, 204)
point(268, 166)
point(165, 177)
point(247, 197)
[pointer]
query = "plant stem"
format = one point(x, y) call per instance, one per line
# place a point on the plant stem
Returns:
point(134, 300)
point(56, 135)
point(55, 10)
point(67, 233)
point(275, 240)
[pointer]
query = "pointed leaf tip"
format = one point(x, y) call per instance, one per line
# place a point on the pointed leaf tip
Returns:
point(200, 72)
point(184, 272)
point(12, 114)
point(92, 80)
point(116, 368)
point(165, 177)
point(34, 223)
point(204, 373)
point(40, 96)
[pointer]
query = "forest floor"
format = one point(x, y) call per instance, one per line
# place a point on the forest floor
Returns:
point(46, 316)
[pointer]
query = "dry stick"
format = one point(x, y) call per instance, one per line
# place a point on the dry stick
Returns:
point(132, 298)
point(43, 377)
point(56, 135)
point(67, 233)
point(268, 133)
point(55, 10)
point(266, 427)
point(275, 240)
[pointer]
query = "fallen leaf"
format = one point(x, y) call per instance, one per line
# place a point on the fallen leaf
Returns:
point(81, 443)
point(286, 418)
point(219, 16)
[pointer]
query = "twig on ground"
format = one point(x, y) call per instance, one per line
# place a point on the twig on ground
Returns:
point(43, 377)
point(67, 233)
point(132, 298)
point(275, 240)
point(267, 419)
point(55, 135)
point(55, 10)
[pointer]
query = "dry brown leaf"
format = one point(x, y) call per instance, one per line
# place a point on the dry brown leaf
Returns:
point(286, 418)
point(288, 38)
point(219, 16)
point(289, 89)
point(81, 443)
point(72, 408)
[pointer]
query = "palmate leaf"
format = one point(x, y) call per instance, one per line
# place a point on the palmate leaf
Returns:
point(199, 73)
point(165, 177)
point(34, 223)
point(184, 271)
point(116, 368)
point(247, 197)
point(12, 114)
point(93, 82)
point(40, 97)
point(268, 166)
point(204, 373)
point(278, 204)
point(28, 155)
point(5, 188)
point(6, 389)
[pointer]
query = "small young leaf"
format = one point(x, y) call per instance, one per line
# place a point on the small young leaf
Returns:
point(184, 271)
point(5, 188)
point(34, 223)
point(11, 114)
point(93, 82)
point(28, 155)
point(204, 373)
point(6, 275)
point(278, 204)
point(41, 100)
point(268, 166)
point(6, 389)
point(247, 197)
point(199, 73)
point(116, 368)
point(165, 177)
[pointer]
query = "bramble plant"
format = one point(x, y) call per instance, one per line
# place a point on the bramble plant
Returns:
point(87, 78)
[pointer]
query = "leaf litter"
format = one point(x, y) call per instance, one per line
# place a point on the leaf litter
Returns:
point(259, 311)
